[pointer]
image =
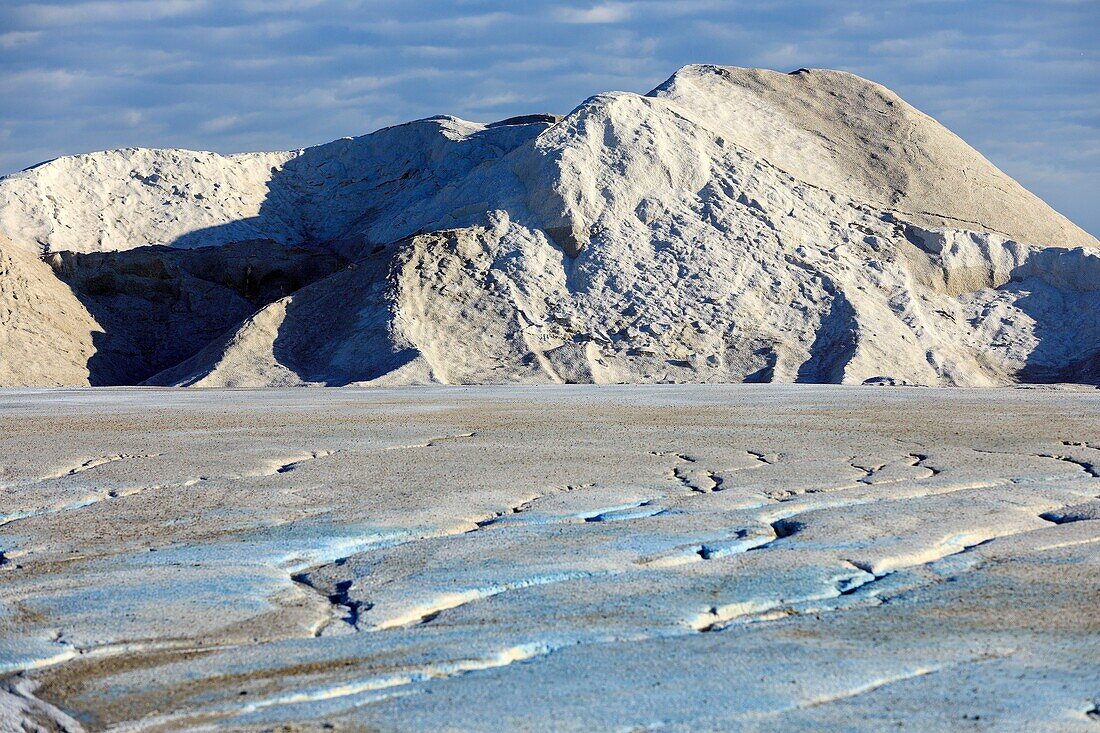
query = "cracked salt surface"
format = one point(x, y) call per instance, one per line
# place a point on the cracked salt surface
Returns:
point(873, 558)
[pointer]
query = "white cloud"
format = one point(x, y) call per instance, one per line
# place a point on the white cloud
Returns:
point(482, 20)
point(531, 64)
point(494, 101)
point(278, 6)
point(628, 43)
point(99, 11)
point(40, 79)
point(221, 124)
point(132, 117)
point(15, 39)
point(857, 20)
point(603, 13)
point(783, 56)
point(373, 82)
point(433, 51)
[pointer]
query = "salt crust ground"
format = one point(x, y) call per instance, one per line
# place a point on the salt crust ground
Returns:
point(568, 558)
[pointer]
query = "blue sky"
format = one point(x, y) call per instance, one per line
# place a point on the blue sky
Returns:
point(1018, 80)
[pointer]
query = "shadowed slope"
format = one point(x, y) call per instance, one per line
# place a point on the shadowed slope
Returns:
point(157, 305)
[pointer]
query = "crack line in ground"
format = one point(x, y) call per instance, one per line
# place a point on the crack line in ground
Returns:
point(432, 442)
point(91, 463)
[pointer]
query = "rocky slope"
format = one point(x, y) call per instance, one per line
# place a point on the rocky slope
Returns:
point(731, 225)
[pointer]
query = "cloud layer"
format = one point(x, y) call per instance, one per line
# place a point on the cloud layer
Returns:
point(1018, 80)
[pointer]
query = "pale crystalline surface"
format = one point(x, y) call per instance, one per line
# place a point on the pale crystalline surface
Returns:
point(731, 225)
point(752, 557)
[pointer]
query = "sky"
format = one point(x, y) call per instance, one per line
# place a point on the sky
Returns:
point(1018, 80)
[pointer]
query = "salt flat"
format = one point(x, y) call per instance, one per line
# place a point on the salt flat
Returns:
point(750, 557)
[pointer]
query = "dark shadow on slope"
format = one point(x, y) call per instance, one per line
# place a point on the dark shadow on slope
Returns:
point(766, 373)
point(339, 330)
point(1085, 370)
point(347, 198)
point(1060, 290)
point(331, 196)
point(351, 198)
point(334, 331)
point(158, 305)
point(1061, 354)
point(834, 344)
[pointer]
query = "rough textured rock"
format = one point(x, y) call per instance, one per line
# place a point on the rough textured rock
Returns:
point(732, 225)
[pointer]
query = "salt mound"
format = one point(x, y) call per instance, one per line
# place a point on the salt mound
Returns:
point(732, 225)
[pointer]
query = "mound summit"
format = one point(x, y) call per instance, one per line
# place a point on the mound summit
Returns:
point(730, 225)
